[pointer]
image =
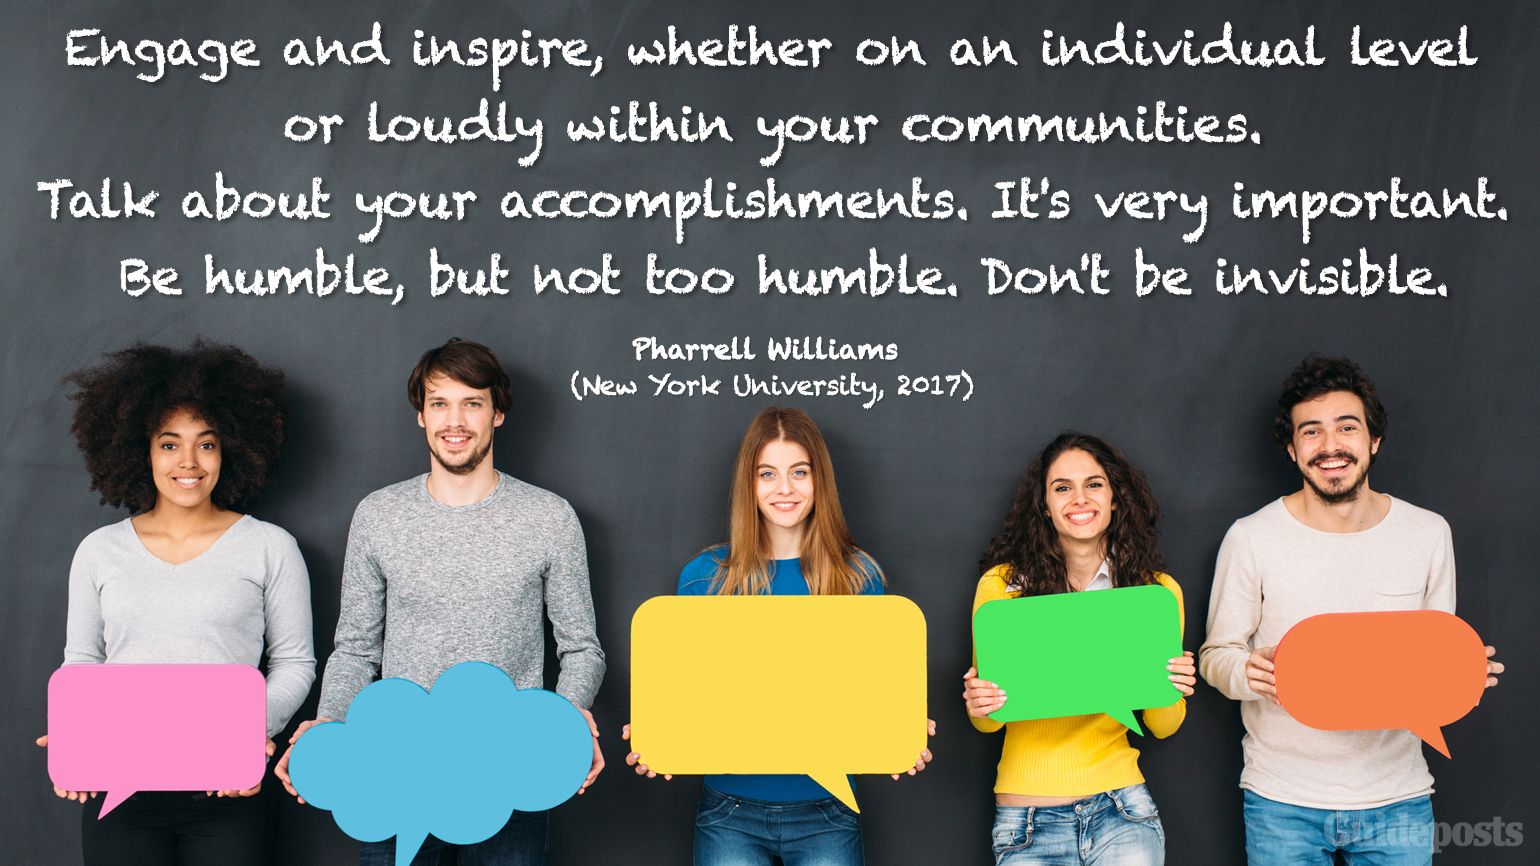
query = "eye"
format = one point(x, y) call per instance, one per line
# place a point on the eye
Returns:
point(1307, 434)
point(766, 475)
point(800, 473)
point(208, 446)
point(1094, 484)
point(1349, 428)
point(168, 446)
point(1061, 488)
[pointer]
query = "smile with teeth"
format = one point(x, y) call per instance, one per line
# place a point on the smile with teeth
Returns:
point(785, 506)
point(186, 482)
point(455, 440)
point(1333, 464)
point(1080, 518)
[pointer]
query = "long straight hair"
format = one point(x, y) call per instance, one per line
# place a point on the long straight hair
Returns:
point(831, 563)
point(1029, 544)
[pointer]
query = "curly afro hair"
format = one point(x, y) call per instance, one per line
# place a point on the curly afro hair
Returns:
point(122, 402)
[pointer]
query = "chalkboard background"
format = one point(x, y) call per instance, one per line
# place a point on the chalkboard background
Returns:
point(1184, 384)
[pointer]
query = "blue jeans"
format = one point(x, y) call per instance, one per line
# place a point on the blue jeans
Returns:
point(1278, 834)
point(733, 831)
point(521, 842)
point(1117, 828)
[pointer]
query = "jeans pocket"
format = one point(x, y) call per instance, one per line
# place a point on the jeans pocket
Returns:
point(1135, 804)
point(839, 815)
point(1009, 836)
point(710, 815)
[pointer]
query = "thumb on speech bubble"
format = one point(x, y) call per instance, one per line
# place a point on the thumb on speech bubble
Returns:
point(837, 784)
point(1433, 735)
point(1126, 718)
point(114, 798)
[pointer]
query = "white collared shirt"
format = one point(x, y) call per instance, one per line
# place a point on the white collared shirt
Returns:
point(1103, 578)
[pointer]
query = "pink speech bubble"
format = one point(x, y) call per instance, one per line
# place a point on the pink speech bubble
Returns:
point(127, 728)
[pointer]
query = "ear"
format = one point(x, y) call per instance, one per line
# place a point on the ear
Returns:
point(497, 419)
point(1374, 447)
point(420, 422)
point(1290, 449)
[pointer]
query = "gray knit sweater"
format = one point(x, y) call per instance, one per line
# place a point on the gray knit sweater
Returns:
point(426, 586)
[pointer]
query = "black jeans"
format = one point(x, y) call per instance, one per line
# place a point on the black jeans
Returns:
point(181, 828)
point(521, 842)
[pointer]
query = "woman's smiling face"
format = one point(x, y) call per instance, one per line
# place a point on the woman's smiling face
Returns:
point(1078, 496)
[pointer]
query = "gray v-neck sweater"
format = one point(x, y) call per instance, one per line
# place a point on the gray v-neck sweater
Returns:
point(247, 593)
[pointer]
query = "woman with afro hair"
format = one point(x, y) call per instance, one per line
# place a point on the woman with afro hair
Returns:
point(184, 440)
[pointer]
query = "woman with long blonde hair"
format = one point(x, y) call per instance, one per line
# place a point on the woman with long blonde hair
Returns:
point(786, 536)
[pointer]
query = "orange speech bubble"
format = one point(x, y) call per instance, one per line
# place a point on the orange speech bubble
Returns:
point(1413, 669)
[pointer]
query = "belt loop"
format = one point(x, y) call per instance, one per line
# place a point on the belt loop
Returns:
point(1031, 812)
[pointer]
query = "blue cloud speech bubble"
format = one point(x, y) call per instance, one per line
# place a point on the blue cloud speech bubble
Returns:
point(455, 762)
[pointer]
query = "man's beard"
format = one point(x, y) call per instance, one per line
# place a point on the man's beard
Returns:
point(1346, 493)
point(472, 460)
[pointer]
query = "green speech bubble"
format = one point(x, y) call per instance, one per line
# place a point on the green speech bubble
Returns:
point(1077, 653)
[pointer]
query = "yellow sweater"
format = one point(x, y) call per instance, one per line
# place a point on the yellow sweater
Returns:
point(1074, 755)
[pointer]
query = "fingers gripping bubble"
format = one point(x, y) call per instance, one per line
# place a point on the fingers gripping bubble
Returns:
point(454, 762)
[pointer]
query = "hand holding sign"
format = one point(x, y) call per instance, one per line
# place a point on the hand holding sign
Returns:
point(1416, 669)
point(1076, 653)
point(207, 723)
point(455, 762)
point(781, 669)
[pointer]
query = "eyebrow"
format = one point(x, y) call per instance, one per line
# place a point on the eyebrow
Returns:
point(164, 433)
point(1303, 424)
point(1088, 478)
point(792, 466)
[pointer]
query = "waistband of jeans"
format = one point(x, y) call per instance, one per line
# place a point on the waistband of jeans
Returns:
point(1067, 812)
point(712, 794)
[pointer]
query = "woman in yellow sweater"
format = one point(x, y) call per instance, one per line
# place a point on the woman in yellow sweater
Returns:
point(1069, 790)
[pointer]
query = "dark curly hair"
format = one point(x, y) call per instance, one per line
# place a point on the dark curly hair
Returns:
point(1029, 543)
point(121, 403)
point(1317, 375)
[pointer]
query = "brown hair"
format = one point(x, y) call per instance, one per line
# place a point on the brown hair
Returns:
point(463, 361)
point(1029, 544)
point(1318, 375)
point(831, 563)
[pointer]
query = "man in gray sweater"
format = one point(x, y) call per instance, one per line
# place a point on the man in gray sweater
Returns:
point(461, 564)
point(1332, 546)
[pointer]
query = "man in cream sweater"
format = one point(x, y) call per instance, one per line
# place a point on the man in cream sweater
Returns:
point(1333, 546)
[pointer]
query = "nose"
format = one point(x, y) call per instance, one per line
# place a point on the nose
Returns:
point(189, 458)
point(1330, 441)
point(456, 416)
point(785, 483)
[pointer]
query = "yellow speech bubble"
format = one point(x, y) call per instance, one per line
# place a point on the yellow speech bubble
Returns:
point(822, 685)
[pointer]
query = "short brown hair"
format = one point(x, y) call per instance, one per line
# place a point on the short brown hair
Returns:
point(463, 361)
